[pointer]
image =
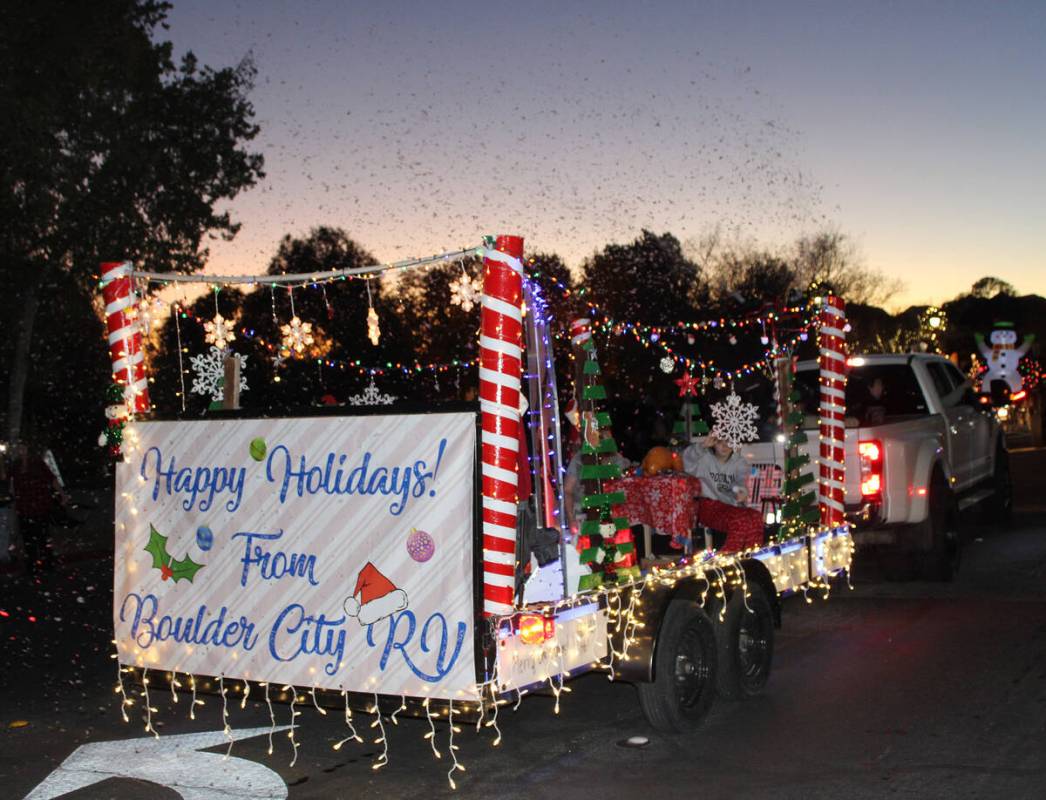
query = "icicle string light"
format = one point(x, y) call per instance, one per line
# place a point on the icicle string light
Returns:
point(383, 740)
point(431, 735)
point(272, 716)
point(353, 736)
point(294, 724)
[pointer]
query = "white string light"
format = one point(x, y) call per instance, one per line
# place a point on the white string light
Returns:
point(383, 759)
point(348, 721)
point(305, 278)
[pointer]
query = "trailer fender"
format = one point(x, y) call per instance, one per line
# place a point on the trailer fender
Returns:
point(756, 572)
point(652, 606)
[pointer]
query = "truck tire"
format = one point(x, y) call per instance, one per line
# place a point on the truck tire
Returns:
point(1000, 505)
point(684, 685)
point(941, 528)
point(745, 642)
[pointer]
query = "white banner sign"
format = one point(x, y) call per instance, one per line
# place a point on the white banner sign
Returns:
point(332, 552)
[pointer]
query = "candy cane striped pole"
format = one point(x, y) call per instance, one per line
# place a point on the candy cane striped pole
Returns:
point(500, 368)
point(125, 339)
point(832, 336)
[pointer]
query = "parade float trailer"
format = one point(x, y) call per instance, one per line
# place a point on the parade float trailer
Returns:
point(327, 558)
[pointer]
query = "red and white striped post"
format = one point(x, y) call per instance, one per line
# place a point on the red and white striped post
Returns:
point(832, 335)
point(125, 339)
point(500, 370)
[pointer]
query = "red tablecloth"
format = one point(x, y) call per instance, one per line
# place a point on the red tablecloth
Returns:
point(665, 502)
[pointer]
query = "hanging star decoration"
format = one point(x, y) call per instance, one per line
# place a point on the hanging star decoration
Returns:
point(210, 373)
point(687, 385)
point(373, 331)
point(297, 336)
point(465, 291)
point(734, 421)
point(371, 396)
point(668, 364)
point(219, 332)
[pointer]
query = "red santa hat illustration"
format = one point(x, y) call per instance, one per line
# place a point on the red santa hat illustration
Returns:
point(375, 597)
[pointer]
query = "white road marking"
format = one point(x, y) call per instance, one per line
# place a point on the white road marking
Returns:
point(170, 761)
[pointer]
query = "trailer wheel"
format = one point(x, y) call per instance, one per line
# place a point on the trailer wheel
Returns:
point(745, 643)
point(941, 562)
point(685, 667)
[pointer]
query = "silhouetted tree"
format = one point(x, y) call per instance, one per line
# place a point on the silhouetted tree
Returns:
point(109, 150)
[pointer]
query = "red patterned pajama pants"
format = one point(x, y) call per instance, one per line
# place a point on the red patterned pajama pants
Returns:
point(743, 526)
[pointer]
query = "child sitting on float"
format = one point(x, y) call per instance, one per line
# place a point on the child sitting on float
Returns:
point(723, 474)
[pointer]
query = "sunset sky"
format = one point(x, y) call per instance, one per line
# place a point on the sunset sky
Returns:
point(916, 128)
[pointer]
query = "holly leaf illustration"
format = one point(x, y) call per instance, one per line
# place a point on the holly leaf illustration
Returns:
point(157, 548)
point(183, 569)
point(186, 568)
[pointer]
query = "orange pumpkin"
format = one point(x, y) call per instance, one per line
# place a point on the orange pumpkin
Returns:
point(660, 459)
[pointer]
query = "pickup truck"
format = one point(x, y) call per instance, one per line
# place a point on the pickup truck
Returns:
point(921, 447)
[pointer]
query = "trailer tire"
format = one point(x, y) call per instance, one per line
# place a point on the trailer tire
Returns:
point(745, 643)
point(685, 666)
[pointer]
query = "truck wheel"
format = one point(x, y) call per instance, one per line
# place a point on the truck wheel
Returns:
point(1000, 506)
point(941, 562)
point(684, 683)
point(745, 641)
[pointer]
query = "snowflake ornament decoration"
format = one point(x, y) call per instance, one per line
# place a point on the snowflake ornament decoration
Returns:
point(465, 291)
point(210, 373)
point(219, 332)
point(371, 396)
point(734, 421)
point(668, 364)
point(297, 335)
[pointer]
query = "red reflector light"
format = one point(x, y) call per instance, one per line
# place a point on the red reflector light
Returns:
point(534, 628)
point(870, 450)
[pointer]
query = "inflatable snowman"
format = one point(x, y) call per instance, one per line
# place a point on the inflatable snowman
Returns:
point(1002, 356)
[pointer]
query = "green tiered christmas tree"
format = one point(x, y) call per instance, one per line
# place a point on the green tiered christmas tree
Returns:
point(800, 510)
point(688, 424)
point(605, 540)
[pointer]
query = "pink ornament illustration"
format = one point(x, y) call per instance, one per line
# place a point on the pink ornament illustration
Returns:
point(420, 545)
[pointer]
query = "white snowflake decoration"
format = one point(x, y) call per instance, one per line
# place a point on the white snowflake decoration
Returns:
point(297, 335)
point(371, 396)
point(210, 373)
point(373, 331)
point(465, 291)
point(668, 364)
point(219, 332)
point(733, 421)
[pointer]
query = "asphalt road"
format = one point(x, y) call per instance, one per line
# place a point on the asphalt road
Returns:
point(886, 689)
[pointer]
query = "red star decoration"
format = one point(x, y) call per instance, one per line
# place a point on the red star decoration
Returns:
point(687, 385)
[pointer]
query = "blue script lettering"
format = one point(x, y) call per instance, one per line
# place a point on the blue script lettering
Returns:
point(195, 482)
point(274, 565)
point(146, 628)
point(335, 476)
point(401, 633)
point(318, 637)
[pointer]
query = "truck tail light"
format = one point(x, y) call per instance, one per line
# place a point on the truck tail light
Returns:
point(871, 452)
point(535, 628)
